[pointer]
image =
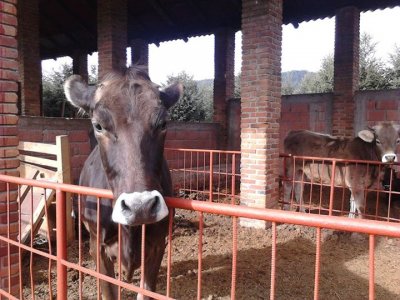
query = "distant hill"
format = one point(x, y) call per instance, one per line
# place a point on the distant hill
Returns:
point(294, 77)
point(204, 83)
point(290, 79)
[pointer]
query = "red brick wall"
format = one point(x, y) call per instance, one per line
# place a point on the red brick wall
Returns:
point(376, 106)
point(260, 103)
point(44, 130)
point(8, 141)
point(29, 57)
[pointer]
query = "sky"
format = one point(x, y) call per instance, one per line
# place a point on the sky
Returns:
point(303, 48)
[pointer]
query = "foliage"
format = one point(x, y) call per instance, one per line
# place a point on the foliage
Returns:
point(372, 68)
point(374, 74)
point(53, 98)
point(393, 75)
point(195, 104)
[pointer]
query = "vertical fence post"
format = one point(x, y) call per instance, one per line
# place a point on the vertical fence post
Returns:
point(61, 245)
point(211, 175)
point(332, 191)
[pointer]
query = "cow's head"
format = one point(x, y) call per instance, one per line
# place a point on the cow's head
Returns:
point(386, 137)
point(128, 114)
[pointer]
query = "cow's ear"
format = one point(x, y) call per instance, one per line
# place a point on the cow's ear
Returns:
point(171, 94)
point(366, 135)
point(78, 92)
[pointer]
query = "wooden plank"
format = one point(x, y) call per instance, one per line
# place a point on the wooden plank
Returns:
point(38, 161)
point(25, 168)
point(38, 147)
point(37, 216)
point(64, 176)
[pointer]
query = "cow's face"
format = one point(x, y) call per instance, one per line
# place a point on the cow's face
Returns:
point(128, 114)
point(386, 137)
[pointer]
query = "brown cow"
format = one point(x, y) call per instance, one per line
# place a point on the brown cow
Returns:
point(128, 113)
point(378, 143)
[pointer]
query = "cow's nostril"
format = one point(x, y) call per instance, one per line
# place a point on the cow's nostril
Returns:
point(124, 206)
point(154, 205)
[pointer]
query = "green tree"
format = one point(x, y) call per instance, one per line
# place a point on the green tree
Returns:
point(373, 73)
point(320, 82)
point(393, 75)
point(372, 68)
point(194, 105)
point(53, 98)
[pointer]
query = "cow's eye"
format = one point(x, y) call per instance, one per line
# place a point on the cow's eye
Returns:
point(162, 125)
point(398, 141)
point(378, 142)
point(97, 127)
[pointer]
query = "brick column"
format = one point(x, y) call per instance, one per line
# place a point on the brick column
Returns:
point(346, 70)
point(80, 64)
point(111, 35)
point(261, 104)
point(29, 57)
point(8, 142)
point(224, 78)
point(140, 53)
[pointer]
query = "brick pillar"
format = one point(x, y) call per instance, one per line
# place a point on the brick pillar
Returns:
point(29, 58)
point(261, 104)
point(224, 78)
point(8, 141)
point(346, 70)
point(140, 53)
point(80, 64)
point(111, 35)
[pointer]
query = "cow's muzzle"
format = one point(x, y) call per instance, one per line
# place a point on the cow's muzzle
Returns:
point(139, 208)
point(389, 158)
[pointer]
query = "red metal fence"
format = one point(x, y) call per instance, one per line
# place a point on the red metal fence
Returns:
point(240, 270)
point(329, 195)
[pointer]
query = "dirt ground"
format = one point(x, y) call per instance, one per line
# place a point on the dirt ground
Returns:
point(344, 264)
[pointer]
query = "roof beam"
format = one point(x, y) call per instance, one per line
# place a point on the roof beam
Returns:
point(161, 11)
point(61, 28)
point(82, 24)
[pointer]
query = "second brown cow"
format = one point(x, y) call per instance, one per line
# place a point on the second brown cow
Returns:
point(377, 143)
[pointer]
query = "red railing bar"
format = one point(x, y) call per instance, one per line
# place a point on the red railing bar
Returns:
point(31, 244)
point(27, 248)
point(200, 254)
point(273, 262)
point(169, 250)
point(8, 236)
point(17, 244)
point(202, 150)
point(234, 257)
point(49, 242)
point(317, 264)
point(113, 281)
point(8, 295)
point(332, 191)
point(79, 245)
point(142, 257)
point(279, 216)
point(62, 292)
point(341, 160)
point(371, 267)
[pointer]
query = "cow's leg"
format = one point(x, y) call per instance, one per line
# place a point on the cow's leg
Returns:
point(152, 268)
point(287, 193)
point(108, 290)
point(299, 189)
point(356, 203)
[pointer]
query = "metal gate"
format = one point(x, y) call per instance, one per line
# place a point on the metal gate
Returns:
point(59, 264)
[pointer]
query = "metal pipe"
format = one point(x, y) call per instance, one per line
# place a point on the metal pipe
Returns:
point(62, 292)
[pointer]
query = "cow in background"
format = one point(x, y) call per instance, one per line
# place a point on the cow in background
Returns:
point(377, 143)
